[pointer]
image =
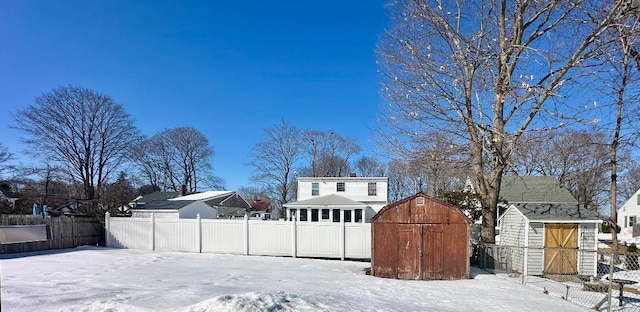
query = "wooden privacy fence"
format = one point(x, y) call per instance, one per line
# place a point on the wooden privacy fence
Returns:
point(242, 237)
point(63, 232)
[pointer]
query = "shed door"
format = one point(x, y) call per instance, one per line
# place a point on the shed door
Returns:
point(432, 262)
point(409, 251)
point(561, 248)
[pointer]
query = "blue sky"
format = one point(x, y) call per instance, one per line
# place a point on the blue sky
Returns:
point(228, 68)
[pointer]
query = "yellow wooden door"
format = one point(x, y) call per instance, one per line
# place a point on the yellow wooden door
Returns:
point(561, 248)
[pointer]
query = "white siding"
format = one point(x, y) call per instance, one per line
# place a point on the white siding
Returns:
point(356, 188)
point(512, 233)
point(535, 259)
point(629, 209)
point(588, 257)
point(192, 210)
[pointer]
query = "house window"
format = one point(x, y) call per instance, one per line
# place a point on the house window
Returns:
point(336, 215)
point(314, 215)
point(303, 215)
point(340, 187)
point(420, 201)
point(632, 220)
point(358, 215)
point(372, 189)
point(638, 199)
point(315, 189)
point(325, 214)
point(347, 215)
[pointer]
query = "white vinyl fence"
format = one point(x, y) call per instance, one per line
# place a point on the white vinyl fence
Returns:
point(242, 237)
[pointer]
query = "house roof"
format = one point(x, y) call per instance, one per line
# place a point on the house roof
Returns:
point(260, 204)
point(201, 196)
point(534, 189)
point(156, 196)
point(164, 204)
point(325, 201)
point(555, 212)
point(231, 212)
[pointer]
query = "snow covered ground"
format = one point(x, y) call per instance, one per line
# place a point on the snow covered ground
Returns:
point(102, 279)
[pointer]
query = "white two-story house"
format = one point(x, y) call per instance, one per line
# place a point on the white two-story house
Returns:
point(335, 199)
point(629, 213)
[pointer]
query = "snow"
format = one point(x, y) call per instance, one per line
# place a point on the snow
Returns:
point(201, 196)
point(103, 279)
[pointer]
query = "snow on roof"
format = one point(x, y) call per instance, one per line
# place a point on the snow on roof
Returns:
point(202, 196)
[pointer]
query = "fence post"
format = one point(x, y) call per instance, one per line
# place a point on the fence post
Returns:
point(107, 229)
point(342, 237)
point(245, 232)
point(294, 239)
point(614, 254)
point(153, 232)
point(198, 234)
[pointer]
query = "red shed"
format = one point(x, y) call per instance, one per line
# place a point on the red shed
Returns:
point(420, 237)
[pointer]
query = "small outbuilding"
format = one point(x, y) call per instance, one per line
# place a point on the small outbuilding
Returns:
point(550, 238)
point(420, 238)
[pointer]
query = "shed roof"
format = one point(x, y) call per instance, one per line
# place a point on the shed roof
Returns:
point(534, 189)
point(164, 204)
point(432, 211)
point(555, 212)
point(325, 201)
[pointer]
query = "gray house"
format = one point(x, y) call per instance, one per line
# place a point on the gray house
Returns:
point(179, 209)
point(549, 232)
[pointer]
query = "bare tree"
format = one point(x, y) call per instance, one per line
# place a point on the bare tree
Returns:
point(175, 157)
point(5, 157)
point(83, 131)
point(619, 85)
point(579, 159)
point(273, 160)
point(486, 72)
point(368, 166)
point(328, 153)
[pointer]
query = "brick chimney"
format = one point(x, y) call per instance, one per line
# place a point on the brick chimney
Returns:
point(352, 174)
point(181, 190)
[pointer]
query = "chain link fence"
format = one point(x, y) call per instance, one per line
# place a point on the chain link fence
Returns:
point(601, 280)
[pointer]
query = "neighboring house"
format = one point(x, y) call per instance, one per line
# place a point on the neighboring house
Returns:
point(550, 238)
point(261, 209)
point(75, 208)
point(228, 204)
point(174, 209)
point(8, 195)
point(210, 205)
point(629, 213)
point(331, 199)
point(141, 200)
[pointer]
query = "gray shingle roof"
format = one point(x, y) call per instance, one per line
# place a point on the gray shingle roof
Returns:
point(157, 196)
point(327, 200)
point(534, 189)
point(555, 212)
point(165, 204)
